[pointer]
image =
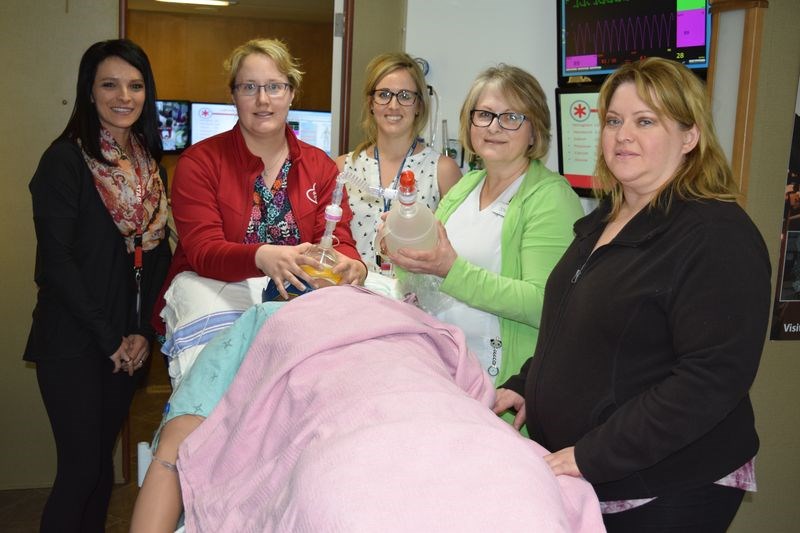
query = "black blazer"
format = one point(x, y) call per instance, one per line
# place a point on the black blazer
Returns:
point(86, 290)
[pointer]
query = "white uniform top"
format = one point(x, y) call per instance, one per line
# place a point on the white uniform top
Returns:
point(476, 236)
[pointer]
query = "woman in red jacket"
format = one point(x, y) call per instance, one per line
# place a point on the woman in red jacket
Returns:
point(250, 201)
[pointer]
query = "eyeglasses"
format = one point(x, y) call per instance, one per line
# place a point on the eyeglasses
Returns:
point(508, 121)
point(274, 89)
point(384, 96)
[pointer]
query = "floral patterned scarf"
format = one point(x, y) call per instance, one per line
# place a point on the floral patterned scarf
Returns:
point(131, 189)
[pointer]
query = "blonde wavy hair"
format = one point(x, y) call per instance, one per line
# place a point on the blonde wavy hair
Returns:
point(526, 96)
point(672, 91)
point(377, 69)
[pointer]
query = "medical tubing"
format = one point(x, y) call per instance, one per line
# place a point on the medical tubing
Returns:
point(360, 182)
point(333, 212)
point(434, 118)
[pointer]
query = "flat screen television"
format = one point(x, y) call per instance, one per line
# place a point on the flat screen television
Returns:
point(578, 133)
point(313, 127)
point(209, 119)
point(174, 124)
point(597, 36)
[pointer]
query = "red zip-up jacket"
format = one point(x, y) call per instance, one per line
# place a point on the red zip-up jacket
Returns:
point(212, 196)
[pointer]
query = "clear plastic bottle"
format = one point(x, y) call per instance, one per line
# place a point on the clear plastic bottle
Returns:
point(409, 223)
point(323, 273)
point(322, 253)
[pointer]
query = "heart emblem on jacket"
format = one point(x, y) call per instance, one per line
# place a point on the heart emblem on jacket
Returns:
point(311, 193)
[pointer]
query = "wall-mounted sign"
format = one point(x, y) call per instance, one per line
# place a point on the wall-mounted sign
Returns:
point(786, 311)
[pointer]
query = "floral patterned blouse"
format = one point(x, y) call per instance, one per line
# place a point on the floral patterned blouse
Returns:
point(271, 217)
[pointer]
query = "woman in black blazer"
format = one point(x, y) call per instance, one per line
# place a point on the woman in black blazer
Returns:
point(100, 211)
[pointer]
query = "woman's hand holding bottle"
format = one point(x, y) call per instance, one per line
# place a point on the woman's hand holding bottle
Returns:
point(437, 261)
point(282, 264)
point(350, 270)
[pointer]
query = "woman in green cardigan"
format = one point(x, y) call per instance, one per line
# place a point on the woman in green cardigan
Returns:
point(502, 228)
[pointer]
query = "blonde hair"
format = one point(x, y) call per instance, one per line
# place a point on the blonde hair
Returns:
point(274, 49)
point(524, 93)
point(673, 91)
point(377, 69)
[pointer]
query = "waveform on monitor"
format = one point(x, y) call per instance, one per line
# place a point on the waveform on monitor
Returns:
point(623, 34)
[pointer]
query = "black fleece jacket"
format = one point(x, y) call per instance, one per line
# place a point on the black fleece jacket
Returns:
point(648, 348)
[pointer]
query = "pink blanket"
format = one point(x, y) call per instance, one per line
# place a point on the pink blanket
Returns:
point(353, 412)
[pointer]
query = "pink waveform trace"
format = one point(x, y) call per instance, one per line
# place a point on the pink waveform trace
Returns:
point(625, 34)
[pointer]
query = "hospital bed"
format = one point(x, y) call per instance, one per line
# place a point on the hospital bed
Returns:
point(422, 443)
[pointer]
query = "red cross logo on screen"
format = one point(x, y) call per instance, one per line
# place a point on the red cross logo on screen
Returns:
point(580, 110)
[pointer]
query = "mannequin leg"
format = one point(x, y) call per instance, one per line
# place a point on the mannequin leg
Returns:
point(158, 505)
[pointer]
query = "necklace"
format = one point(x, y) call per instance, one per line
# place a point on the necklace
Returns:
point(265, 172)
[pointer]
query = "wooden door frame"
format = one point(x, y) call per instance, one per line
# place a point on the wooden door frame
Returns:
point(741, 152)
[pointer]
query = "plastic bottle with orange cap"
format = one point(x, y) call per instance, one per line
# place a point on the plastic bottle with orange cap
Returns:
point(409, 224)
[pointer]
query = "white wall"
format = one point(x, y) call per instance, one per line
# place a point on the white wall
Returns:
point(460, 38)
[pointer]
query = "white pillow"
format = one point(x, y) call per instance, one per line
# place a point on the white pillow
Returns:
point(198, 308)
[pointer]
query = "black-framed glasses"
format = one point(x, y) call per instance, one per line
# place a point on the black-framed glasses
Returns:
point(508, 121)
point(404, 97)
point(274, 89)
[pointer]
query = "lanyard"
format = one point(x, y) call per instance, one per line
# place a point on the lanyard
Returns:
point(138, 250)
point(388, 203)
point(137, 273)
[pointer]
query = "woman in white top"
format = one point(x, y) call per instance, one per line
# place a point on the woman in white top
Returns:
point(395, 111)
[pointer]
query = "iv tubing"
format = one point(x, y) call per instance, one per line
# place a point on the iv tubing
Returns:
point(333, 212)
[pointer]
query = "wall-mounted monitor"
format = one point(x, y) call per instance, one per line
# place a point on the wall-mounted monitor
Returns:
point(578, 133)
point(313, 127)
point(174, 124)
point(209, 119)
point(597, 36)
